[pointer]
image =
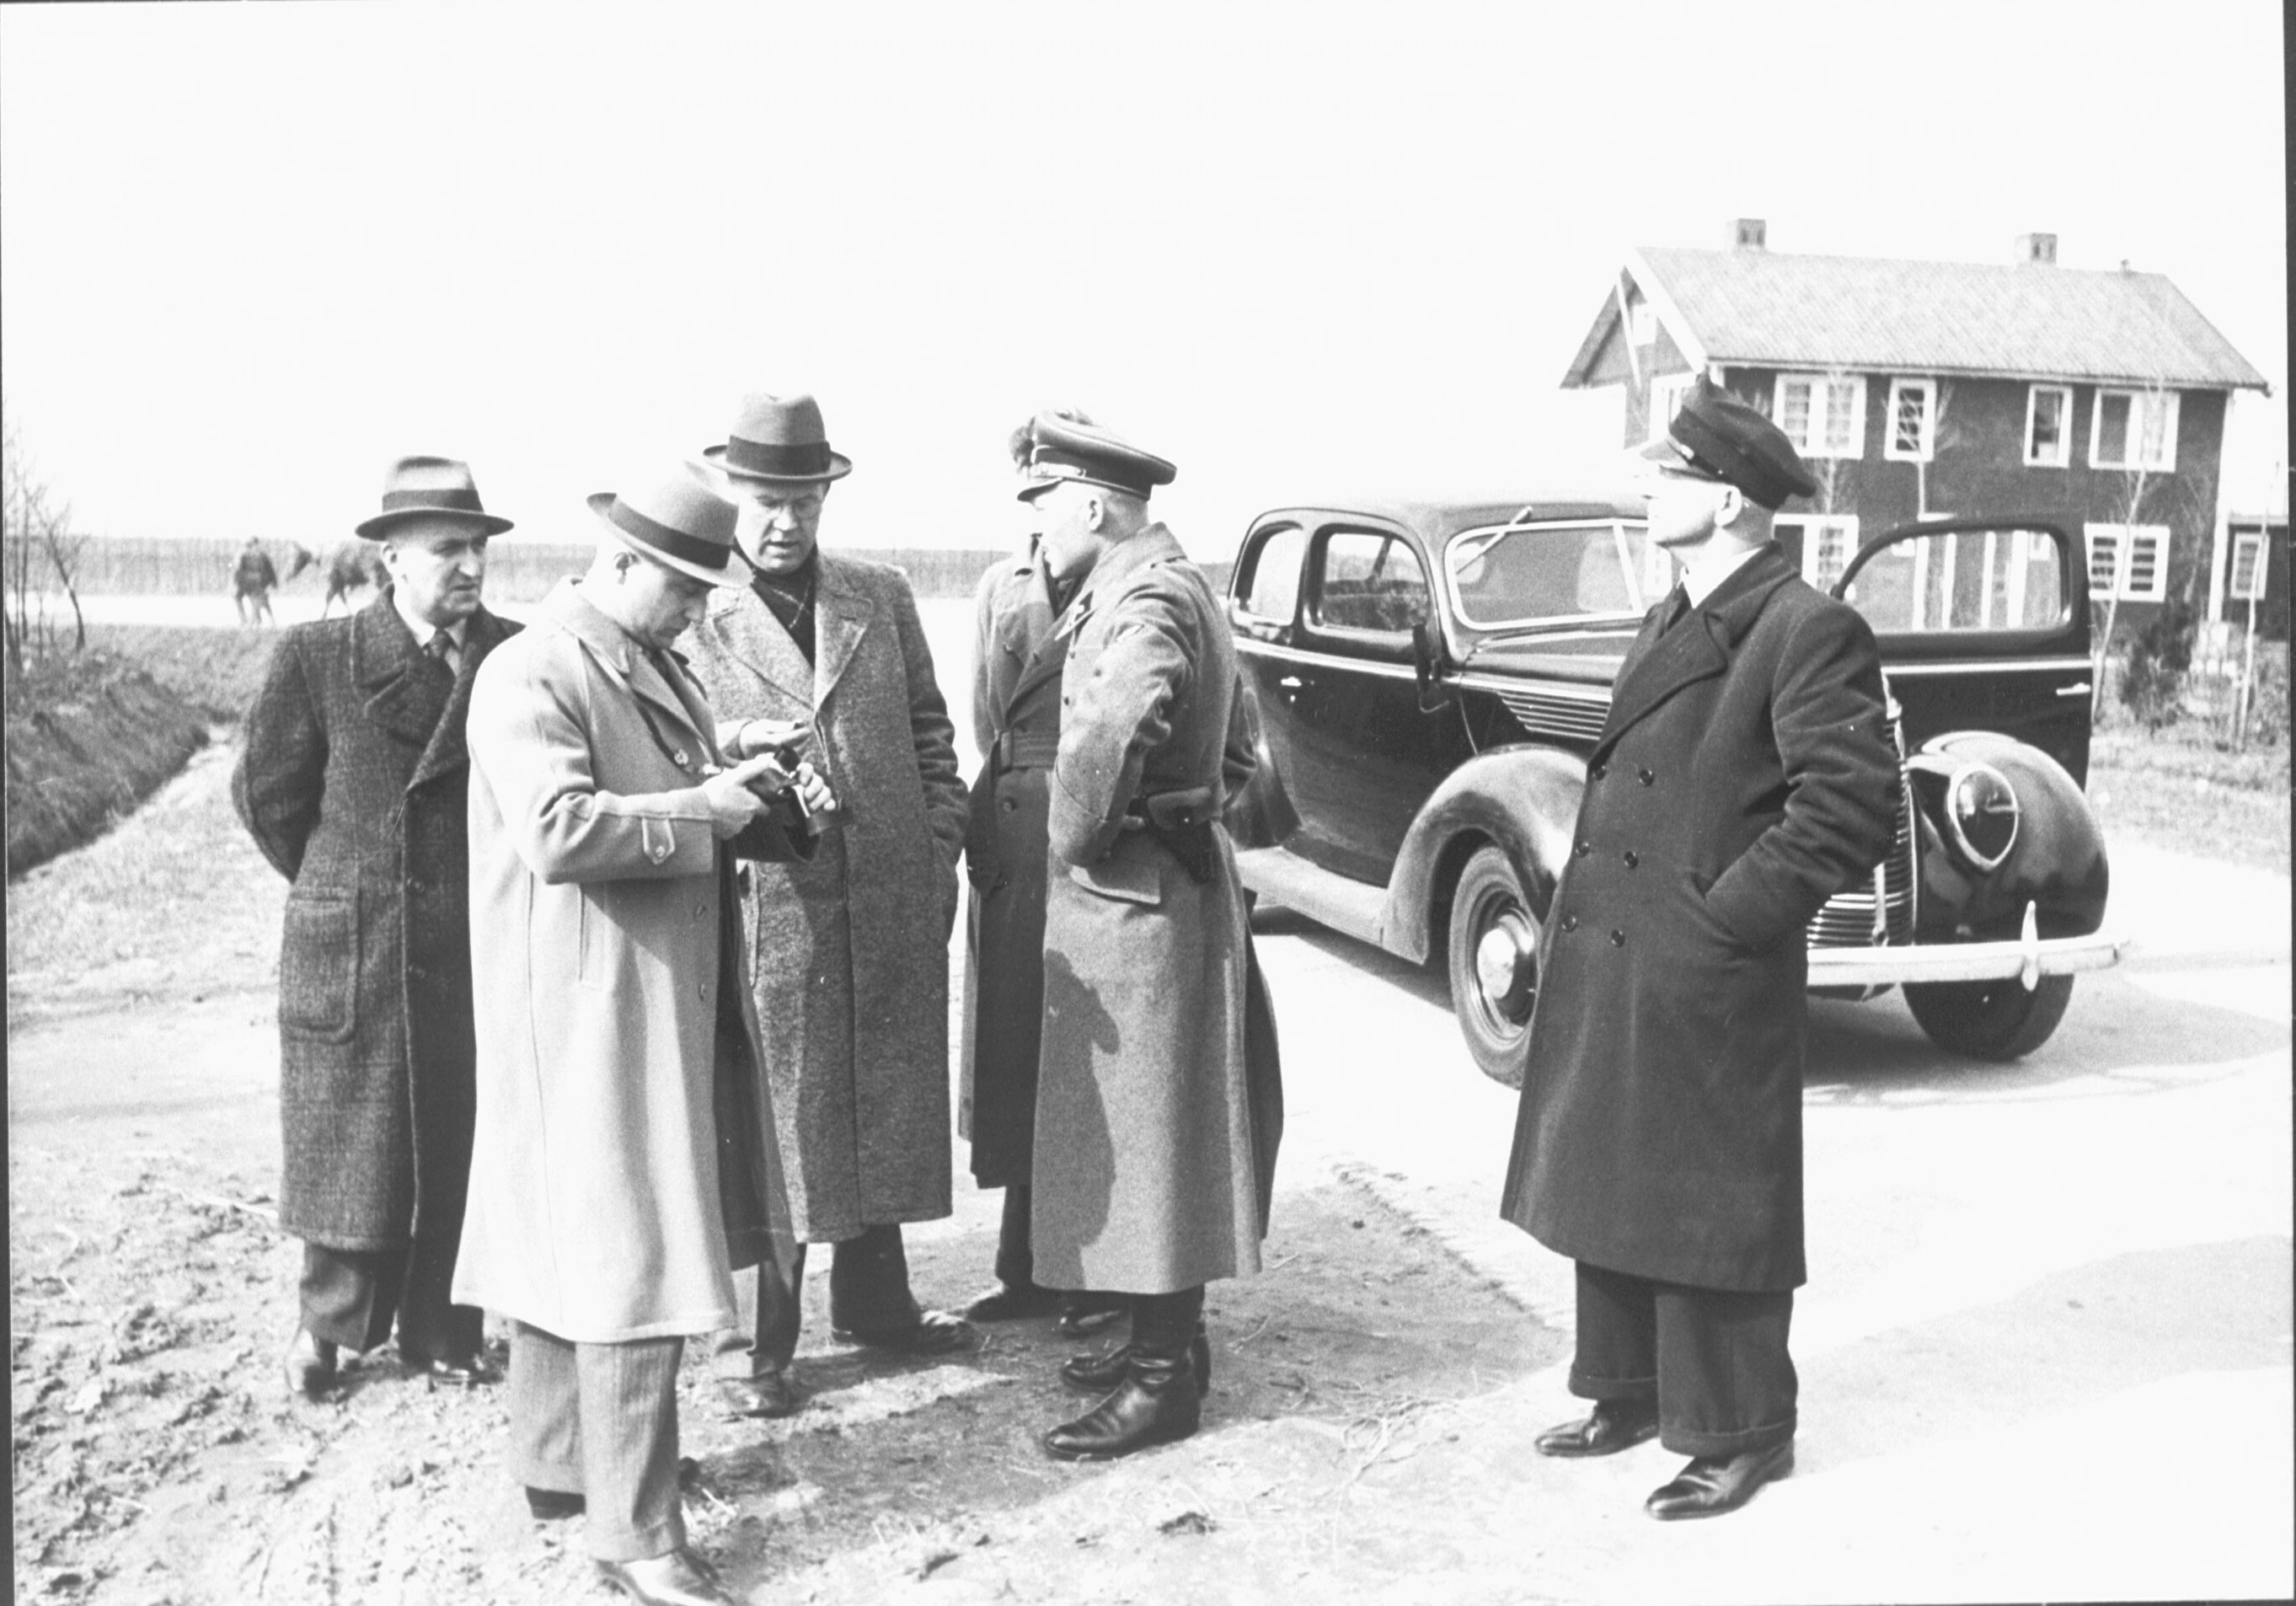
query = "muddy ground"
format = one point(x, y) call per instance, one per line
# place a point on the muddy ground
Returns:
point(157, 1458)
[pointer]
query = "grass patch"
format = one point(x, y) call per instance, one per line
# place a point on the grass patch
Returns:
point(2178, 789)
point(89, 735)
point(215, 671)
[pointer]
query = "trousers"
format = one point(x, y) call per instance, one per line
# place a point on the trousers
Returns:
point(601, 1421)
point(1715, 1360)
point(1016, 1267)
point(349, 1298)
point(868, 1292)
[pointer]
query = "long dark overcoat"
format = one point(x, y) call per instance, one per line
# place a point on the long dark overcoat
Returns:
point(1016, 724)
point(353, 781)
point(849, 956)
point(1746, 773)
point(1148, 1174)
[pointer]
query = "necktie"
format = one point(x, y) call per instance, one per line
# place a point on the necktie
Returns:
point(440, 650)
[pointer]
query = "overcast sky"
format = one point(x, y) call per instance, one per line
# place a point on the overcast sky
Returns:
point(248, 254)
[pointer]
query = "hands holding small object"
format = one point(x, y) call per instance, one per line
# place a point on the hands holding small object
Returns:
point(738, 794)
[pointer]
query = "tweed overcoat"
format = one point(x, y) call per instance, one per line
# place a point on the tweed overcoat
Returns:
point(1016, 702)
point(1745, 774)
point(351, 780)
point(849, 950)
point(1147, 1171)
point(623, 1164)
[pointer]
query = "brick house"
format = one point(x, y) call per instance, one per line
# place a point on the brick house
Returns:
point(1926, 390)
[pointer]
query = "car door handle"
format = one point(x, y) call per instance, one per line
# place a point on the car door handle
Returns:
point(1290, 683)
point(2078, 689)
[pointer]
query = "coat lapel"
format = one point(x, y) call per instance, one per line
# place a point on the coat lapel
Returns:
point(404, 691)
point(746, 629)
point(447, 753)
point(841, 616)
point(1658, 666)
point(611, 645)
point(1028, 634)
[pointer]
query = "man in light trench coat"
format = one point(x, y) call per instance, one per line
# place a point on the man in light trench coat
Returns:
point(850, 948)
point(624, 1162)
point(1154, 1150)
point(352, 781)
point(1746, 773)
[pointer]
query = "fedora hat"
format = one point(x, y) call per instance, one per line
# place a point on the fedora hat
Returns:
point(430, 488)
point(680, 524)
point(779, 439)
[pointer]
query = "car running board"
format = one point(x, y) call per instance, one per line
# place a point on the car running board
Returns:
point(1281, 876)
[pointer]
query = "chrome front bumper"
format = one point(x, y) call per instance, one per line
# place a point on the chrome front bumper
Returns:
point(2029, 958)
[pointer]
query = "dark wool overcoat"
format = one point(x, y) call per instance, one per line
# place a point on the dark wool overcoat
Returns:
point(1149, 1175)
point(1016, 722)
point(353, 781)
point(850, 955)
point(1745, 774)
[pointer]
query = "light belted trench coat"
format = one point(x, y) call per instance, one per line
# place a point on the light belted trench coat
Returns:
point(624, 1161)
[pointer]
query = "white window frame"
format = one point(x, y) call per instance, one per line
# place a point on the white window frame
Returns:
point(1641, 323)
point(2256, 546)
point(2064, 459)
point(2140, 409)
point(2121, 565)
point(1822, 384)
point(1925, 448)
point(1810, 525)
point(1672, 387)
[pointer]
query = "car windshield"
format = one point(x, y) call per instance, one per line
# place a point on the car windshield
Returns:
point(1961, 580)
point(1529, 574)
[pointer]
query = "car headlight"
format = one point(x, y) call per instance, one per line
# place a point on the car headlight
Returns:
point(1980, 812)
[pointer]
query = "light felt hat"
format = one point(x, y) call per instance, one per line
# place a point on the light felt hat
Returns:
point(779, 440)
point(680, 524)
point(430, 488)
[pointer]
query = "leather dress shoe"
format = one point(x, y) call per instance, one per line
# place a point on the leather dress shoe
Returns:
point(1711, 1485)
point(1008, 1303)
point(680, 1578)
point(1157, 1402)
point(1612, 1426)
point(310, 1364)
point(457, 1371)
point(548, 1505)
point(1082, 1314)
point(763, 1394)
point(933, 1333)
point(1098, 1374)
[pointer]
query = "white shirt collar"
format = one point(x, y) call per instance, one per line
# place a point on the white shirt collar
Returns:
point(422, 629)
point(1710, 569)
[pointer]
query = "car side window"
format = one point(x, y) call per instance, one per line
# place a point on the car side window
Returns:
point(1961, 580)
point(1270, 587)
point(1370, 581)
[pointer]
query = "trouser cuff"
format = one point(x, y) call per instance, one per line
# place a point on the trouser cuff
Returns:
point(608, 1543)
point(1737, 1441)
point(1588, 1387)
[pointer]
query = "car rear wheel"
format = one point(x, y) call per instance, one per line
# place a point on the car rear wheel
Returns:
point(1493, 955)
point(1997, 1020)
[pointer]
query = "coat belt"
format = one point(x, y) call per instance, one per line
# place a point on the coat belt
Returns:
point(1026, 750)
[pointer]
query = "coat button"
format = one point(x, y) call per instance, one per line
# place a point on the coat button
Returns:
point(705, 992)
point(1598, 772)
point(1583, 849)
point(1007, 804)
point(1570, 922)
point(1630, 859)
point(1645, 777)
point(679, 757)
point(1618, 937)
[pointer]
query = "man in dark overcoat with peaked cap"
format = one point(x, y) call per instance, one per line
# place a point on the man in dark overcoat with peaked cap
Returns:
point(1745, 774)
point(353, 781)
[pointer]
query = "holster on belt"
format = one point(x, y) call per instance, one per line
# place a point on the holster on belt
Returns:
point(1183, 822)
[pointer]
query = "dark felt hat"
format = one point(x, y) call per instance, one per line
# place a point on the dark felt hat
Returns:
point(416, 488)
point(1062, 448)
point(680, 523)
point(780, 440)
point(1719, 438)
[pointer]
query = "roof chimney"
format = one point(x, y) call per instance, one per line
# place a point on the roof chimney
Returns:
point(1748, 234)
point(2037, 250)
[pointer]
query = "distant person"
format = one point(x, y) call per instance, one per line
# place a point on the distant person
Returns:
point(624, 1162)
point(852, 946)
point(252, 577)
point(1745, 774)
point(353, 783)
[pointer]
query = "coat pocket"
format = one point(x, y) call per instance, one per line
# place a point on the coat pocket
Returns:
point(1132, 878)
point(319, 967)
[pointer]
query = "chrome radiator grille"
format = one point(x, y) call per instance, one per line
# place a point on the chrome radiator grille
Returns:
point(1881, 911)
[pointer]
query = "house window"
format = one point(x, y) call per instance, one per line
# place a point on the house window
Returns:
point(2248, 567)
point(1912, 420)
point(2134, 430)
point(1667, 391)
point(1823, 414)
point(2048, 426)
point(2127, 561)
point(1827, 545)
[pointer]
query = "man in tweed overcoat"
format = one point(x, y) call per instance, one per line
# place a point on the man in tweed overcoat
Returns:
point(849, 950)
point(353, 781)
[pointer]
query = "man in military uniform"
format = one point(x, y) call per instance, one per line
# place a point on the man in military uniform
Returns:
point(1148, 1177)
point(1745, 774)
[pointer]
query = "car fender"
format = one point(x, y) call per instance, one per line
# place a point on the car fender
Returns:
point(1525, 798)
point(2057, 863)
point(1261, 815)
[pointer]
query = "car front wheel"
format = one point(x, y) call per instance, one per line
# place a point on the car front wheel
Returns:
point(1995, 1019)
point(1493, 954)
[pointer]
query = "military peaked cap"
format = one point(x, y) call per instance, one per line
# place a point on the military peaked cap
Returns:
point(1719, 438)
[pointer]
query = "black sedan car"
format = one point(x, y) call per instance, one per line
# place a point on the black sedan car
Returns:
point(1430, 675)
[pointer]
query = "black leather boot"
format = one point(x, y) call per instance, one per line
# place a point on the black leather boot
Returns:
point(1158, 1401)
point(1097, 1374)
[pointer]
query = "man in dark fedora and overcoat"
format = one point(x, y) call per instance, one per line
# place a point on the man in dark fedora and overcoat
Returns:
point(352, 780)
point(851, 946)
point(1154, 1151)
point(1746, 773)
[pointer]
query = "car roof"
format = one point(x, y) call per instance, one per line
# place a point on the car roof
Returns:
point(1437, 519)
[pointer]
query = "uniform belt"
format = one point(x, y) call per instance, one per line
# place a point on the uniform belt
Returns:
point(1025, 750)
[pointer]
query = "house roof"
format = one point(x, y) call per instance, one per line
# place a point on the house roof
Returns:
point(1765, 309)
